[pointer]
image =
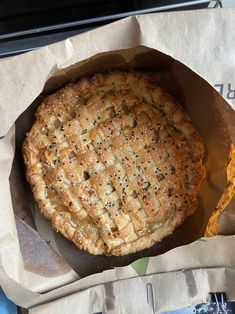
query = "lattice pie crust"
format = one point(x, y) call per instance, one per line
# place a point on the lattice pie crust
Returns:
point(114, 162)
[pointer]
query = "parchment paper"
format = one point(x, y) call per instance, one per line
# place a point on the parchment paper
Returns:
point(23, 78)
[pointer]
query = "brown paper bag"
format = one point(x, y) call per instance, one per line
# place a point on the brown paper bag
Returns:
point(29, 265)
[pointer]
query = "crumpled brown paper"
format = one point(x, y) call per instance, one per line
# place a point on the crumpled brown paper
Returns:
point(148, 294)
point(144, 42)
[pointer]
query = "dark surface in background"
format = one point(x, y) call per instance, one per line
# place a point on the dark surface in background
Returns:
point(26, 25)
point(25, 14)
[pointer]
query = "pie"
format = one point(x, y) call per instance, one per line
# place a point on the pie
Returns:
point(114, 162)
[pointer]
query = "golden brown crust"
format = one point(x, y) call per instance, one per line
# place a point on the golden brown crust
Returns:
point(113, 162)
